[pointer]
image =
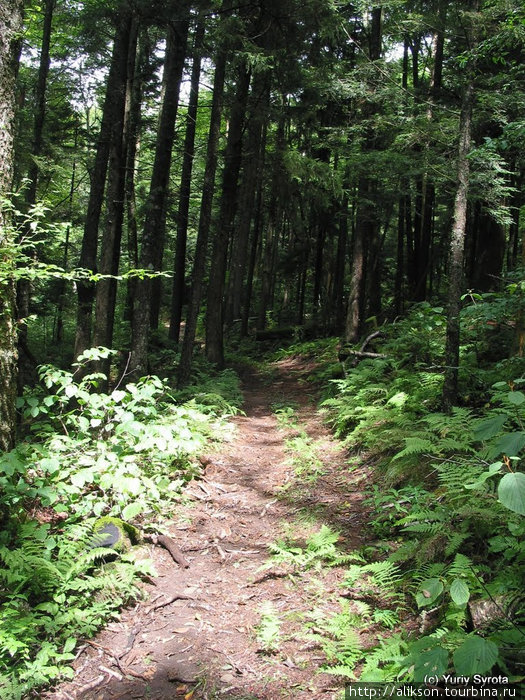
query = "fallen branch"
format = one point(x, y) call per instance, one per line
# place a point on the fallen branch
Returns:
point(360, 353)
point(168, 601)
point(169, 544)
point(92, 684)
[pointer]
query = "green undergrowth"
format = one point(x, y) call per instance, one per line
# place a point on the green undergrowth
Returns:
point(87, 454)
point(447, 502)
point(302, 450)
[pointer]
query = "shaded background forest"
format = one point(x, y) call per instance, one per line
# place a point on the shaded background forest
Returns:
point(183, 179)
point(285, 164)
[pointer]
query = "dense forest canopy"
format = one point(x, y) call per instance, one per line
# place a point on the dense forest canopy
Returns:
point(280, 164)
point(180, 179)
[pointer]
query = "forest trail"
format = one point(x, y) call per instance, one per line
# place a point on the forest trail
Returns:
point(204, 644)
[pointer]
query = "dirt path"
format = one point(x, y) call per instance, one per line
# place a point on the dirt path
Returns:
point(205, 644)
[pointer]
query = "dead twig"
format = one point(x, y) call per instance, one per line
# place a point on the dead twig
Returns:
point(168, 601)
point(92, 684)
point(107, 670)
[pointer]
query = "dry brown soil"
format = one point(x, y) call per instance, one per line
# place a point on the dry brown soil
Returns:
point(203, 644)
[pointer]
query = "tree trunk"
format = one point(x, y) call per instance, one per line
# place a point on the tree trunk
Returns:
point(10, 29)
point(355, 301)
point(199, 264)
point(88, 253)
point(252, 166)
point(223, 234)
point(256, 237)
point(456, 254)
point(145, 307)
point(160, 185)
point(59, 324)
point(23, 293)
point(426, 224)
point(133, 130)
point(106, 293)
point(177, 298)
point(366, 221)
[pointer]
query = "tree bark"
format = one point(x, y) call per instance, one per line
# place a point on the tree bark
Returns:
point(26, 366)
point(199, 264)
point(145, 309)
point(88, 253)
point(366, 224)
point(456, 254)
point(133, 130)
point(177, 298)
point(109, 261)
point(252, 165)
point(223, 233)
point(160, 187)
point(10, 28)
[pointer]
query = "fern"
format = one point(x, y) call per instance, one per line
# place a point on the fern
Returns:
point(461, 567)
point(416, 446)
point(383, 662)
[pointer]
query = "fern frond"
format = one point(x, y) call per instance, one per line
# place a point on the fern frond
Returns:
point(460, 567)
point(384, 574)
point(416, 446)
point(455, 541)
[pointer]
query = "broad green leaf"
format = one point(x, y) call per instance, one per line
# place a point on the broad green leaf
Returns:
point(69, 645)
point(475, 655)
point(490, 427)
point(83, 476)
point(510, 444)
point(429, 590)
point(459, 592)
point(71, 390)
point(493, 469)
point(511, 492)
point(50, 464)
point(132, 510)
point(516, 397)
point(48, 495)
point(433, 662)
point(130, 484)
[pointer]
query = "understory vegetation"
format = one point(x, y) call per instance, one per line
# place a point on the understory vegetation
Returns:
point(447, 501)
point(89, 456)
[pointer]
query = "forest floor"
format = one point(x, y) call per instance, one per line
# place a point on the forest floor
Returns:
point(198, 633)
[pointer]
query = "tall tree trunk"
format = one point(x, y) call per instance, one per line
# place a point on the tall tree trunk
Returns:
point(59, 325)
point(145, 307)
point(252, 165)
point(106, 293)
point(366, 224)
point(456, 254)
point(199, 264)
point(10, 30)
point(424, 262)
point(88, 253)
point(223, 234)
point(355, 301)
point(174, 79)
point(516, 203)
point(40, 101)
point(340, 265)
point(133, 129)
point(23, 294)
point(256, 237)
point(185, 189)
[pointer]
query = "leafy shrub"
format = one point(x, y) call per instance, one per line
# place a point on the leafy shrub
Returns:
point(86, 453)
